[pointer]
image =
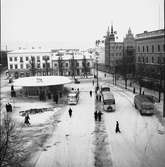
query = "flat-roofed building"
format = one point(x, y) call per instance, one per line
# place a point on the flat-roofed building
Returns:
point(29, 62)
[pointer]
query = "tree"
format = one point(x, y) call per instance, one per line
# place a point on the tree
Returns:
point(32, 66)
point(12, 152)
point(73, 63)
point(60, 65)
point(85, 68)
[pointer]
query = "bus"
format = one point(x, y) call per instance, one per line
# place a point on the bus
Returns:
point(73, 97)
point(108, 101)
point(144, 104)
point(104, 88)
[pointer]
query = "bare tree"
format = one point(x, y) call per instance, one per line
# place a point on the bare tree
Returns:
point(32, 66)
point(12, 153)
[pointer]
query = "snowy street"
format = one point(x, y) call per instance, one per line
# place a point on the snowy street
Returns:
point(82, 141)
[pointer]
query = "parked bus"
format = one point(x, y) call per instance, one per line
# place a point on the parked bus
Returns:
point(105, 88)
point(108, 101)
point(144, 104)
point(73, 97)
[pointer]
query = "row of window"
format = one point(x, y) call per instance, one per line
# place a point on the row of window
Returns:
point(116, 47)
point(77, 64)
point(28, 58)
point(153, 60)
point(152, 48)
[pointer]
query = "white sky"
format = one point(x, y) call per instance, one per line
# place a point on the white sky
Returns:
point(74, 23)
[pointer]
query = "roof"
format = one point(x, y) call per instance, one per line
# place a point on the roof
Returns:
point(143, 98)
point(39, 81)
point(108, 95)
point(26, 51)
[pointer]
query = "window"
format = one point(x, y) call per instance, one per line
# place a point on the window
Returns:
point(152, 59)
point(147, 48)
point(15, 58)
point(21, 66)
point(11, 66)
point(44, 65)
point(16, 67)
point(138, 48)
point(152, 48)
point(27, 58)
point(158, 48)
point(158, 60)
point(10, 59)
point(38, 65)
point(143, 59)
point(55, 65)
point(66, 64)
point(139, 59)
point(48, 65)
point(143, 48)
point(38, 58)
point(27, 66)
point(146, 59)
point(21, 59)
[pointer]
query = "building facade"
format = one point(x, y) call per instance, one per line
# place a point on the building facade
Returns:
point(129, 54)
point(150, 55)
point(113, 51)
point(73, 64)
point(32, 62)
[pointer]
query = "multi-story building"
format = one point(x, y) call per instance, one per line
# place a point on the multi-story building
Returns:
point(150, 55)
point(129, 54)
point(73, 64)
point(113, 51)
point(25, 62)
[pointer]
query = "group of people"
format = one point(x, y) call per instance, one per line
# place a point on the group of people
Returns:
point(8, 107)
point(98, 115)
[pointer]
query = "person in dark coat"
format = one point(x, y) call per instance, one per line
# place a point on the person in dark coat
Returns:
point(70, 112)
point(10, 107)
point(90, 93)
point(7, 107)
point(95, 115)
point(27, 119)
point(99, 115)
point(117, 127)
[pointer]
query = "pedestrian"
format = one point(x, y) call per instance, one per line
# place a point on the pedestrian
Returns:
point(99, 97)
point(105, 75)
point(96, 97)
point(90, 93)
point(99, 115)
point(117, 127)
point(7, 107)
point(27, 119)
point(70, 112)
point(95, 115)
point(10, 107)
point(93, 82)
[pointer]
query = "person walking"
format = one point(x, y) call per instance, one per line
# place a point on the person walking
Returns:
point(95, 115)
point(99, 115)
point(70, 112)
point(90, 93)
point(27, 120)
point(117, 127)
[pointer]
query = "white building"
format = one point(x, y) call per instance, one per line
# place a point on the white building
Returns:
point(27, 62)
point(76, 64)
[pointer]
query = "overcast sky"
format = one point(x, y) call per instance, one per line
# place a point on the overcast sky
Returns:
point(74, 23)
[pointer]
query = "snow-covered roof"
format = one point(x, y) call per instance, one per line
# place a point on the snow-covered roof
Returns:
point(26, 51)
point(37, 81)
